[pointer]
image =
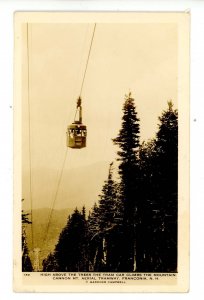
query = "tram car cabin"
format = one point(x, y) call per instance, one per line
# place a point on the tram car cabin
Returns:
point(77, 132)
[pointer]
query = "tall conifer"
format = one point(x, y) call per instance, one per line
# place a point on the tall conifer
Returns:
point(26, 261)
point(128, 141)
point(107, 202)
point(167, 191)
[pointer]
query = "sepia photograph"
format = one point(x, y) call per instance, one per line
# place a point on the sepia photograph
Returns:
point(101, 143)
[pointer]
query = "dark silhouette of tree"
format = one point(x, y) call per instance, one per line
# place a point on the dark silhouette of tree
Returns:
point(128, 141)
point(102, 222)
point(71, 250)
point(167, 190)
point(148, 246)
point(50, 263)
point(107, 203)
point(26, 261)
point(159, 166)
point(93, 221)
point(93, 232)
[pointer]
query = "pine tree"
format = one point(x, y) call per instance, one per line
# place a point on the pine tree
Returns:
point(93, 237)
point(50, 263)
point(108, 203)
point(159, 168)
point(102, 225)
point(71, 253)
point(167, 179)
point(128, 141)
point(93, 221)
point(26, 261)
point(148, 228)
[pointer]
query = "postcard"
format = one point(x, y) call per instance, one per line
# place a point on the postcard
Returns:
point(101, 152)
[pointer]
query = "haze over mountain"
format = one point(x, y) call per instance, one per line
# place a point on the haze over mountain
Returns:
point(79, 186)
point(45, 237)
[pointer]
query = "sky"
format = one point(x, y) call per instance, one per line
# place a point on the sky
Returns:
point(141, 58)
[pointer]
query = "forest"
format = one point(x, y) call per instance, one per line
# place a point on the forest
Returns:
point(132, 226)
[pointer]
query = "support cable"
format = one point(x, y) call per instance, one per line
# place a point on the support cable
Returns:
point(29, 140)
point(55, 197)
point(64, 160)
point(82, 85)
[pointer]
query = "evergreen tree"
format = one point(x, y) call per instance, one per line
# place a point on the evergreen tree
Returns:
point(93, 221)
point(102, 223)
point(93, 238)
point(128, 141)
point(26, 261)
point(71, 250)
point(147, 247)
point(50, 263)
point(108, 203)
point(159, 167)
point(167, 178)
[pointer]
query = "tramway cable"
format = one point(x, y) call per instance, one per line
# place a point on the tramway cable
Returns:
point(82, 85)
point(77, 131)
point(29, 140)
point(55, 197)
point(77, 125)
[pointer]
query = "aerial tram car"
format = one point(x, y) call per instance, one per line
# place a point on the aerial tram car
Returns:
point(77, 132)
